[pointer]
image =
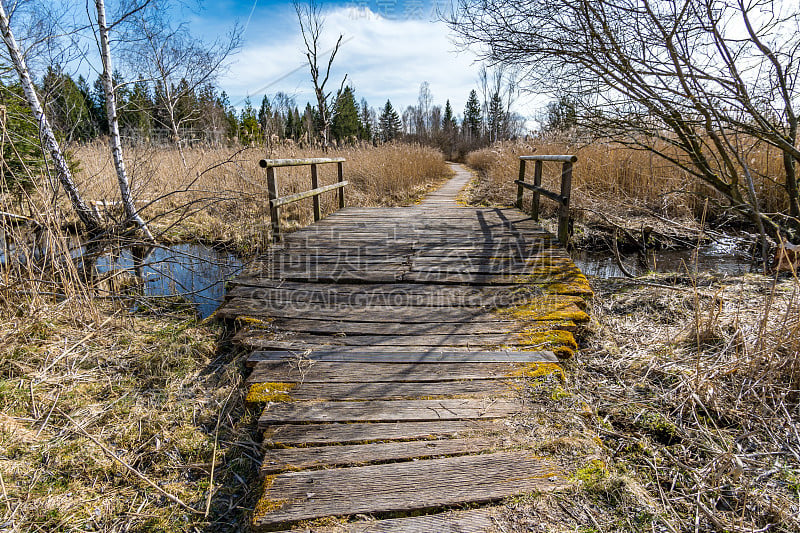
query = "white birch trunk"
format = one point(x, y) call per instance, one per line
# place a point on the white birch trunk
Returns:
point(45, 131)
point(113, 123)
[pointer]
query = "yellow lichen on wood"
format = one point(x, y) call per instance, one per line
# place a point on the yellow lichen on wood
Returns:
point(265, 504)
point(578, 286)
point(547, 309)
point(537, 370)
point(269, 392)
point(253, 321)
point(560, 342)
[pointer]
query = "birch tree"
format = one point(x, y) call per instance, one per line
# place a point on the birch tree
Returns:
point(48, 138)
point(115, 142)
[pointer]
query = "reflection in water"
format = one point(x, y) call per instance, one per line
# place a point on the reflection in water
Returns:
point(193, 271)
point(725, 256)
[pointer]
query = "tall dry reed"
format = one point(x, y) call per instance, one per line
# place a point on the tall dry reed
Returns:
point(613, 178)
point(221, 194)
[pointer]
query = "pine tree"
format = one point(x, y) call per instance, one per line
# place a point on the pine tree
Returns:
point(21, 150)
point(310, 124)
point(496, 121)
point(66, 105)
point(298, 125)
point(366, 121)
point(345, 123)
point(561, 114)
point(448, 120)
point(472, 116)
point(290, 130)
point(249, 129)
point(137, 114)
point(265, 115)
point(389, 123)
point(231, 122)
point(97, 107)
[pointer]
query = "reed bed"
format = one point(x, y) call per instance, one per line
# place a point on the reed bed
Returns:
point(613, 179)
point(109, 420)
point(220, 195)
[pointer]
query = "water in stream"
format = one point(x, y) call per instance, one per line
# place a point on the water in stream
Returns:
point(722, 256)
point(193, 271)
point(198, 272)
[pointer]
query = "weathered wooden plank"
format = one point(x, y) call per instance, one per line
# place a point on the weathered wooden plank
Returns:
point(432, 234)
point(342, 276)
point(467, 219)
point(345, 243)
point(412, 356)
point(315, 371)
point(394, 487)
point(320, 327)
point(260, 308)
point(360, 433)
point(299, 340)
point(320, 311)
point(422, 237)
point(400, 268)
point(410, 314)
point(471, 521)
point(257, 342)
point(427, 241)
point(397, 390)
point(332, 297)
point(438, 276)
point(376, 252)
point(425, 340)
point(386, 411)
point(310, 258)
point(291, 459)
point(248, 291)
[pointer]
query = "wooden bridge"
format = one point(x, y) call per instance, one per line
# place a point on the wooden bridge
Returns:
point(391, 346)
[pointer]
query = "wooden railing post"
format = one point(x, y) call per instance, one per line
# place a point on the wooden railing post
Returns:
point(275, 202)
point(340, 179)
point(537, 181)
point(272, 189)
point(519, 186)
point(315, 198)
point(538, 191)
point(563, 210)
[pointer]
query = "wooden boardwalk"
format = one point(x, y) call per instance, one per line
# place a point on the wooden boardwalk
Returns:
point(390, 346)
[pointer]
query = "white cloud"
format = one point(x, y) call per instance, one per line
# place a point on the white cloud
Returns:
point(384, 59)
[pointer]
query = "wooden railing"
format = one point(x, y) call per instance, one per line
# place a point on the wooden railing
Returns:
point(272, 186)
point(538, 190)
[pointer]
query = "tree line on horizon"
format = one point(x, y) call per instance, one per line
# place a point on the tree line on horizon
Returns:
point(150, 113)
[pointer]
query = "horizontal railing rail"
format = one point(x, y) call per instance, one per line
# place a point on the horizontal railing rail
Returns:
point(536, 187)
point(276, 202)
point(274, 163)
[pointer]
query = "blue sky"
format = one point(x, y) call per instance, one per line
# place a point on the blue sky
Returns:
point(389, 48)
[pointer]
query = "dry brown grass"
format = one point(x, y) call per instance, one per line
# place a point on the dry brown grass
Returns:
point(221, 195)
point(614, 179)
point(696, 390)
point(150, 390)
